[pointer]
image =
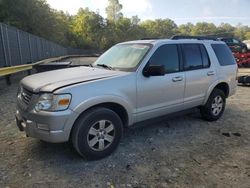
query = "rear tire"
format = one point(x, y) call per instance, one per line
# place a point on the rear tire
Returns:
point(214, 107)
point(97, 133)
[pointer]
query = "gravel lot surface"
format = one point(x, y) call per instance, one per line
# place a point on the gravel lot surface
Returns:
point(244, 71)
point(184, 151)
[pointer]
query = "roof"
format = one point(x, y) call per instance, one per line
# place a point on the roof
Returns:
point(156, 41)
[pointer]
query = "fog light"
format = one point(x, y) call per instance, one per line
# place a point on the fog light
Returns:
point(43, 127)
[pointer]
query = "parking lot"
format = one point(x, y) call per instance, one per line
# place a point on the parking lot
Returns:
point(184, 151)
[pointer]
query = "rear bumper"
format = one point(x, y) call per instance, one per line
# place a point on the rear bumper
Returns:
point(52, 127)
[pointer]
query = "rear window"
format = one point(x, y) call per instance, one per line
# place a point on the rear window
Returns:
point(224, 54)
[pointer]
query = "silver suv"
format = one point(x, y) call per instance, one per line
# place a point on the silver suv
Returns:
point(130, 83)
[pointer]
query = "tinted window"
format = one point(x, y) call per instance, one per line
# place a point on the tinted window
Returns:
point(224, 55)
point(227, 40)
point(166, 55)
point(235, 41)
point(205, 58)
point(192, 56)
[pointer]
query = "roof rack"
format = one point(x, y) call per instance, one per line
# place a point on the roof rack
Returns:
point(149, 38)
point(177, 37)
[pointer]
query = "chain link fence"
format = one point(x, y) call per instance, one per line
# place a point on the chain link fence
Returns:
point(18, 47)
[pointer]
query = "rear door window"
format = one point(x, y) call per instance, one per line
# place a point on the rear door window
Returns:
point(192, 56)
point(223, 54)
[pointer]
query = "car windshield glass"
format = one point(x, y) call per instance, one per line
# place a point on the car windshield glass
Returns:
point(125, 57)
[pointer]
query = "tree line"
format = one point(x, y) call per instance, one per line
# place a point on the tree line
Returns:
point(89, 30)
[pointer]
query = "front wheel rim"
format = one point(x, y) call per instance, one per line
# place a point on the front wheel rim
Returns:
point(217, 105)
point(101, 135)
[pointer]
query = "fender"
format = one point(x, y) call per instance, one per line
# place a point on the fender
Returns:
point(212, 86)
point(90, 102)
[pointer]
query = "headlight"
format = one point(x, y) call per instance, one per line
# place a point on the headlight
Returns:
point(52, 102)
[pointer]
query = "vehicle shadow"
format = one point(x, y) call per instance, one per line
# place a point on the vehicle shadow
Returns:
point(44, 151)
point(184, 138)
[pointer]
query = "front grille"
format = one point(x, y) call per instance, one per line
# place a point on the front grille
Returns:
point(25, 96)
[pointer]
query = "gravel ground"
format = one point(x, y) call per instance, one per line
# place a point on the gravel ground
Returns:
point(180, 152)
point(244, 71)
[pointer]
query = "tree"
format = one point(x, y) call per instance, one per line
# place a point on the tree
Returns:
point(241, 31)
point(36, 17)
point(225, 30)
point(247, 35)
point(135, 20)
point(186, 29)
point(88, 27)
point(203, 28)
point(113, 10)
point(159, 28)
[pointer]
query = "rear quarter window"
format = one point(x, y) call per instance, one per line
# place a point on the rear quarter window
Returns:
point(223, 54)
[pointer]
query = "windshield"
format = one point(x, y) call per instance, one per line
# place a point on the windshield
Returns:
point(125, 57)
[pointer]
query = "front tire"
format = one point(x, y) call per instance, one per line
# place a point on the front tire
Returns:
point(215, 106)
point(97, 133)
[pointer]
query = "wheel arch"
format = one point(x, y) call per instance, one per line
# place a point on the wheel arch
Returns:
point(120, 110)
point(117, 108)
point(222, 85)
point(119, 105)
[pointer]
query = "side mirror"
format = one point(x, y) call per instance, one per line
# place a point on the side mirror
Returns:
point(154, 70)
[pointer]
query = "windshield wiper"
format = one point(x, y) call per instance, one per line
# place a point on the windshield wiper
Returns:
point(105, 66)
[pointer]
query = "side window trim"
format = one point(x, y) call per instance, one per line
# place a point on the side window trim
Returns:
point(180, 55)
point(207, 56)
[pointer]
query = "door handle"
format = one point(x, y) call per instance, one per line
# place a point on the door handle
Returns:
point(177, 79)
point(210, 73)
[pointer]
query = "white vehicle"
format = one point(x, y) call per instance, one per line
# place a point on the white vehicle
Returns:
point(247, 42)
point(130, 83)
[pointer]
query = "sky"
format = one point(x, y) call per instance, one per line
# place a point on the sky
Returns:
point(180, 11)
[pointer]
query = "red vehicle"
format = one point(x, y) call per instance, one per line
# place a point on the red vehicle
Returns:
point(243, 59)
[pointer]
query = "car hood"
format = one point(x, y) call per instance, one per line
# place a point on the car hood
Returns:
point(52, 80)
